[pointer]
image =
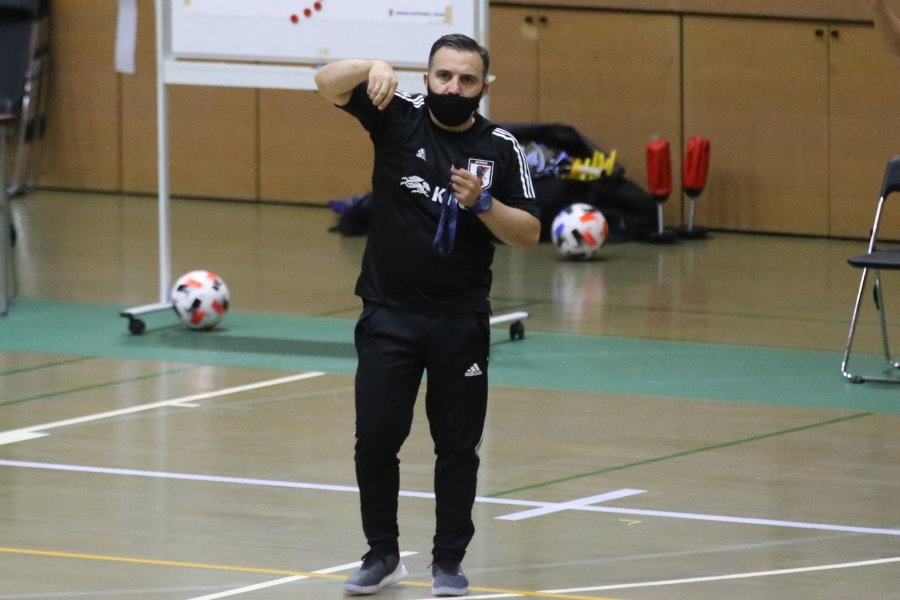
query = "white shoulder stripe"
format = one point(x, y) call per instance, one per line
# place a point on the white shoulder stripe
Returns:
point(416, 100)
point(524, 172)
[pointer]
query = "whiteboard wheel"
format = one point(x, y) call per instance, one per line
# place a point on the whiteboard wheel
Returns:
point(136, 326)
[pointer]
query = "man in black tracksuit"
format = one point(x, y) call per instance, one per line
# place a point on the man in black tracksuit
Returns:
point(446, 183)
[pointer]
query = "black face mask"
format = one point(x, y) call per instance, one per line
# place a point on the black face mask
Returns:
point(451, 110)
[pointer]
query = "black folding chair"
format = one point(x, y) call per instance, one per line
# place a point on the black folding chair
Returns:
point(19, 53)
point(876, 259)
point(24, 72)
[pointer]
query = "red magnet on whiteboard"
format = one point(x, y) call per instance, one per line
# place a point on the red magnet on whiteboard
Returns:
point(317, 6)
point(294, 19)
point(307, 12)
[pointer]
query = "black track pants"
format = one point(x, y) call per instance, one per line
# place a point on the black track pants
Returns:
point(394, 349)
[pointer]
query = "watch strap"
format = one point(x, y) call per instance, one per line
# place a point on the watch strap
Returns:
point(483, 204)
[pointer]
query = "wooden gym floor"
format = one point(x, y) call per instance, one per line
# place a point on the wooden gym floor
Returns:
point(674, 426)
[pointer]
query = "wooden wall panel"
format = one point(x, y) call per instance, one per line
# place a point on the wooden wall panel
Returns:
point(311, 151)
point(212, 131)
point(82, 142)
point(865, 129)
point(213, 134)
point(805, 9)
point(139, 174)
point(759, 91)
point(514, 95)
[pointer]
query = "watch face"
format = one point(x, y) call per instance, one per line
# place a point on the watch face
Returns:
point(483, 204)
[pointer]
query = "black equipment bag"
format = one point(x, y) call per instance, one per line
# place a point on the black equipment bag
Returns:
point(629, 209)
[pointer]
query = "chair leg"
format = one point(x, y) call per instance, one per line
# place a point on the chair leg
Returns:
point(853, 321)
point(4, 226)
point(12, 281)
point(882, 315)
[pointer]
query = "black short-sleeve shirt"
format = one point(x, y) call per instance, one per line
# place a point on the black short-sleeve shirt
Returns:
point(410, 183)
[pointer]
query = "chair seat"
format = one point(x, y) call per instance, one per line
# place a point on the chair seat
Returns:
point(880, 259)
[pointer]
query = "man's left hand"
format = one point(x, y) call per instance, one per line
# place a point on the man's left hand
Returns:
point(466, 186)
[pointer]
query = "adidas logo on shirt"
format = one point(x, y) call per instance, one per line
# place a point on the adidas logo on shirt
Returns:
point(473, 371)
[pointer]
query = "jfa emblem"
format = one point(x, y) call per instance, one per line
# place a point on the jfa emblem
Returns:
point(483, 170)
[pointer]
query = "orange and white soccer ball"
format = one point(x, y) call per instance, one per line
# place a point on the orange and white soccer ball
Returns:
point(579, 231)
point(200, 299)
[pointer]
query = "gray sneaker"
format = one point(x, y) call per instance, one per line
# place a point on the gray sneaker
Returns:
point(449, 579)
point(376, 572)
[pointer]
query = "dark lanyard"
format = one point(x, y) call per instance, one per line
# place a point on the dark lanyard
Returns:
point(445, 237)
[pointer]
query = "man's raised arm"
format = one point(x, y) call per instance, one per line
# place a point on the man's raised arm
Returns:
point(337, 80)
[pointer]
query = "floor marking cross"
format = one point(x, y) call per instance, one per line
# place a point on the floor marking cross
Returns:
point(571, 505)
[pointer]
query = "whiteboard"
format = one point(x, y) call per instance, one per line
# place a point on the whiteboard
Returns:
point(400, 32)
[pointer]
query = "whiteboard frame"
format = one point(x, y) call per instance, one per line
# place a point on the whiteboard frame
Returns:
point(261, 31)
point(172, 70)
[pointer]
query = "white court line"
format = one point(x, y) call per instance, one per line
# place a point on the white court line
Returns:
point(598, 588)
point(283, 580)
point(11, 437)
point(428, 495)
point(740, 520)
point(182, 476)
point(861, 563)
point(35, 431)
point(571, 505)
point(252, 588)
point(481, 597)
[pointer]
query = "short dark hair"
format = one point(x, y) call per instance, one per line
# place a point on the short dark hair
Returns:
point(462, 43)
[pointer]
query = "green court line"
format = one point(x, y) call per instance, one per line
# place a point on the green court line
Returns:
point(680, 454)
point(49, 365)
point(338, 311)
point(721, 313)
point(94, 387)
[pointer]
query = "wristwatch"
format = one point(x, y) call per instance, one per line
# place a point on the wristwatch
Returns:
point(483, 204)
